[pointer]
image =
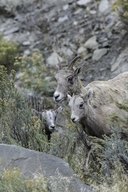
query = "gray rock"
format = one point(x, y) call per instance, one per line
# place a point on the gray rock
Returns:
point(27, 52)
point(11, 30)
point(25, 43)
point(104, 6)
point(93, 12)
point(105, 44)
point(66, 51)
point(82, 50)
point(115, 65)
point(83, 2)
point(91, 43)
point(2, 27)
point(8, 37)
point(65, 7)
point(120, 64)
point(78, 11)
point(124, 67)
point(54, 59)
point(109, 20)
point(62, 19)
point(75, 23)
point(99, 53)
point(32, 162)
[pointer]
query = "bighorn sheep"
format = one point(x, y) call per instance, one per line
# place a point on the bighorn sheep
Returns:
point(67, 81)
point(48, 118)
point(97, 102)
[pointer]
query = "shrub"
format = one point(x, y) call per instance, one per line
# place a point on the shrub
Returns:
point(35, 73)
point(108, 164)
point(17, 125)
point(8, 52)
point(122, 7)
point(13, 181)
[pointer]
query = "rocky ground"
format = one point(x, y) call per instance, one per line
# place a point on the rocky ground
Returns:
point(67, 28)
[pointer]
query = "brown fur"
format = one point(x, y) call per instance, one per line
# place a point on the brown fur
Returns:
point(100, 100)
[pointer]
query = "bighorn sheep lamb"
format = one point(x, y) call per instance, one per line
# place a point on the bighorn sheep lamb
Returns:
point(97, 102)
point(48, 118)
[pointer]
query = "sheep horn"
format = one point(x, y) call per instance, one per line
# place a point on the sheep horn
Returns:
point(73, 62)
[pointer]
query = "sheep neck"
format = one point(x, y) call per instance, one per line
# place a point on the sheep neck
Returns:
point(79, 88)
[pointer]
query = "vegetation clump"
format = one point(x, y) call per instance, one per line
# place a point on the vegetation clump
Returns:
point(17, 124)
point(8, 52)
point(35, 75)
point(12, 181)
point(121, 6)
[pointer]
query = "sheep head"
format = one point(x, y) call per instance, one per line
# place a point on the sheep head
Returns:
point(48, 116)
point(79, 105)
point(67, 81)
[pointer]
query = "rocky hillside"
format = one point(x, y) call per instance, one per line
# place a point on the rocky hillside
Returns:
point(61, 29)
point(68, 28)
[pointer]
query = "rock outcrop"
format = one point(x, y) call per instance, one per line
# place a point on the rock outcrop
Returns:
point(31, 162)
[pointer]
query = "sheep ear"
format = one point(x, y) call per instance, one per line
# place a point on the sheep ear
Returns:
point(82, 96)
point(77, 71)
point(68, 97)
point(89, 93)
point(88, 96)
point(59, 109)
point(43, 113)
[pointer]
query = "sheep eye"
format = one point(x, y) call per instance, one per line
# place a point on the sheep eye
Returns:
point(81, 106)
point(70, 79)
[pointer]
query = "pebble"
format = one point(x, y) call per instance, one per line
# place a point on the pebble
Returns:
point(25, 43)
point(99, 53)
point(104, 6)
point(83, 2)
point(62, 19)
point(67, 51)
point(78, 11)
point(82, 50)
point(54, 59)
point(27, 52)
point(91, 43)
point(11, 30)
point(65, 7)
point(93, 12)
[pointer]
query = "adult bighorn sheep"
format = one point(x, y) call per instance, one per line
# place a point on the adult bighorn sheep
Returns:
point(48, 118)
point(96, 104)
point(67, 81)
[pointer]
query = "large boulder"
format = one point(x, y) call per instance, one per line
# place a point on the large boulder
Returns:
point(32, 162)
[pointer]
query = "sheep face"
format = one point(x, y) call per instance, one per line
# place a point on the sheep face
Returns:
point(49, 118)
point(67, 81)
point(78, 109)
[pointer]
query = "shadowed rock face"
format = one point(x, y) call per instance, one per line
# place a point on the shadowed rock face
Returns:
point(31, 162)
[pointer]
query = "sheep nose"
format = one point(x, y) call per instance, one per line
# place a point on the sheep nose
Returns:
point(73, 120)
point(56, 97)
point(52, 127)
